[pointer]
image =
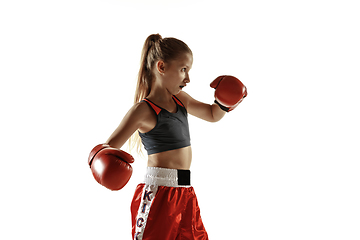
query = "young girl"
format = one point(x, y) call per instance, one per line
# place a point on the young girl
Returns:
point(165, 205)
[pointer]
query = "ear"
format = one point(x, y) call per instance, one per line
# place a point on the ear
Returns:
point(160, 67)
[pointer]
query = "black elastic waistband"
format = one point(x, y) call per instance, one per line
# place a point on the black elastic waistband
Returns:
point(183, 177)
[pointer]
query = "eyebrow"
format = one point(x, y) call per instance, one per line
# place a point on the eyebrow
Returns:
point(186, 66)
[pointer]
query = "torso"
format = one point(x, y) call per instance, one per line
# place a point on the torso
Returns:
point(173, 159)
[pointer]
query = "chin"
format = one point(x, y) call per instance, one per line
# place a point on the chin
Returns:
point(175, 92)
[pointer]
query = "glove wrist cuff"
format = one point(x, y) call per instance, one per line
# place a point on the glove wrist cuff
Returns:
point(226, 109)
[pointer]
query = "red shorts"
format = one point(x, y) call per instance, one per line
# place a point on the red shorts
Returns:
point(165, 207)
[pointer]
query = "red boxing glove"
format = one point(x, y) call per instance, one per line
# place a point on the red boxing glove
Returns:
point(229, 92)
point(110, 166)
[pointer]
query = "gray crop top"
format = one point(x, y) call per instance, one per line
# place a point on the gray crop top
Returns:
point(171, 130)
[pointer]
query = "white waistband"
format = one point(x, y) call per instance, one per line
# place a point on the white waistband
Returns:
point(162, 177)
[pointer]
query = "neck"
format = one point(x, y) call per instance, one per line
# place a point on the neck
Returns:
point(160, 94)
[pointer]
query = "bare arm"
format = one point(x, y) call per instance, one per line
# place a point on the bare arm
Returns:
point(207, 112)
point(133, 120)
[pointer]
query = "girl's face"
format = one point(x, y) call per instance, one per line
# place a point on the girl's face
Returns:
point(176, 73)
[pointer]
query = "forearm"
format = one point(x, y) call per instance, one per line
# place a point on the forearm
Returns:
point(217, 112)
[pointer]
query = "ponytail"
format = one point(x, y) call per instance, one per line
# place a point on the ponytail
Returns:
point(154, 49)
point(150, 53)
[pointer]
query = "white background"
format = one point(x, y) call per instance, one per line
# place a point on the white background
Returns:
point(283, 165)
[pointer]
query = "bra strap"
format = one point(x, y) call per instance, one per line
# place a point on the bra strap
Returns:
point(178, 101)
point(153, 106)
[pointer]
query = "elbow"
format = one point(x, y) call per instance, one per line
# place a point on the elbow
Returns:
point(216, 113)
point(216, 119)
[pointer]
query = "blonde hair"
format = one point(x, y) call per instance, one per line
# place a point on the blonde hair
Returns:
point(155, 48)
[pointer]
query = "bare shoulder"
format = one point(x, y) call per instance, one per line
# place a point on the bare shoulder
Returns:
point(139, 112)
point(143, 115)
point(140, 107)
point(185, 98)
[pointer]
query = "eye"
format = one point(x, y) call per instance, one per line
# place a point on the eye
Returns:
point(183, 70)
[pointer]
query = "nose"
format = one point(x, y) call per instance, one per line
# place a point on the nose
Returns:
point(187, 78)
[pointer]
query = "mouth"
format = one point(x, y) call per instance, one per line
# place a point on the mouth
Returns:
point(182, 86)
